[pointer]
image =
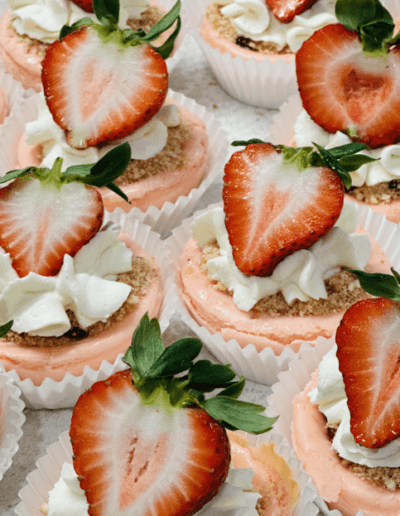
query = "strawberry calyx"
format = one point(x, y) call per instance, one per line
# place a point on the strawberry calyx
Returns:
point(154, 370)
point(343, 159)
point(379, 284)
point(107, 12)
point(102, 173)
point(373, 23)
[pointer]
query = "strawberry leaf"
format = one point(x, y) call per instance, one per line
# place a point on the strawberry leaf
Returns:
point(5, 328)
point(332, 162)
point(164, 24)
point(167, 47)
point(378, 284)
point(176, 358)
point(234, 390)
point(83, 22)
point(106, 11)
point(239, 143)
point(13, 174)
point(205, 376)
point(239, 415)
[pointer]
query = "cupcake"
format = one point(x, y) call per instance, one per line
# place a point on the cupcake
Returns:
point(11, 95)
point(26, 30)
point(168, 423)
point(73, 288)
point(11, 420)
point(270, 303)
point(360, 101)
point(250, 45)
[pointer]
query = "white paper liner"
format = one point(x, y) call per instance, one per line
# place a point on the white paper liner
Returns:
point(42, 479)
point(52, 394)
point(11, 420)
point(264, 84)
point(264, 367)
point(291, 383)
point(160, 220)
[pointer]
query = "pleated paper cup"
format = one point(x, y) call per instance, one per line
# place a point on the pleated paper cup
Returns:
point(11, 420)
point(160, 220)
point(264, 366)
point(40, 482)
point(265, 84)
point(53, 394)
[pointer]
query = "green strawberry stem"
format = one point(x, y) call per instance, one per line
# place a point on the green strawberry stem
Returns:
point(154, 369)
point(342, 159)
point(380, 285)
point(373, 23)
point(107, 12)
point(102, 173)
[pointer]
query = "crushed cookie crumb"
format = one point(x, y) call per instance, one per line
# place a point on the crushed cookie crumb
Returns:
point(212, 83)
point(382, 193)
point(340, 296)
point(138, 278)
point(227, 31)
point(147, 19)
point(215, 106)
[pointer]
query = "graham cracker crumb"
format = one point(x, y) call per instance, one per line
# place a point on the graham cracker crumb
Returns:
point(138, 278)
point(147, 19)
point(343, 290)
point(382, 193)
point(170, 158)
point(227, 31)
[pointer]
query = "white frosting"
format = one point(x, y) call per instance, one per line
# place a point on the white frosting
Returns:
point(300, 275)
point(85, 284)
point(252, 19)
point(145, 143)
point(332, 401)
point(68, 499)
point(43, 19)
point(307, 131)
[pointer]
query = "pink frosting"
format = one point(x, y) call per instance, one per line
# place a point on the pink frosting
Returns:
point(216, 311)
point(216, 40)
point(342, 489)
point(54, 362)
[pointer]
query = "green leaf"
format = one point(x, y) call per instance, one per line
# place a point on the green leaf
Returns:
point(83, 22)
point(205, 376)
point(116, 189)
point(332, 162)
point(176, 358)
point(167, 47)
point(240, 143)
point(13, 174)
point(376, 37)
point(164, 24)
point(146, 347)
point(234, 390)
point(106, 11)
point(352, 163)
point(377, 284)
point(348, 149)
point(5, 328)
point(239, 415)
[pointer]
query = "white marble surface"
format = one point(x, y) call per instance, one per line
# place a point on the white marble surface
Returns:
point(193, 77)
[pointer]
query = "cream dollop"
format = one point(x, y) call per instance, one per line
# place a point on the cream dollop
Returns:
point(145, 143)
point(252, 19)
point(43, 19)
point(233, 499)
point(85, 284)
point(300, 275)
point(386, 169)
point(332, 401)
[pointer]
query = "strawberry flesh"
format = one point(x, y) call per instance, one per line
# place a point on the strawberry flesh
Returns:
point(99, 92)
point(39, 224)
point(368, 341)
point(138, 459)
point(286, 10)
point(273, 210)
point(86, 5)
point(343, 89)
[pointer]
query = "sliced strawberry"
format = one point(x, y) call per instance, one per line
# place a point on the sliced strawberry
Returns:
point(137, 459)
point(273, 210)
point(368, 340)
point(286, 10)
point(100, 91)
point(86, 5)
point(39, 224)
point(343, 89)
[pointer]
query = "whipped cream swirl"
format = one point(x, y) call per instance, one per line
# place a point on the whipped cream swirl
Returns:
point(300, 275)
point(67, 498)
point(332, 402)
point(43, 19)
point(145, 143)
point(386, 169)
point(85, 285)
point(253, 19)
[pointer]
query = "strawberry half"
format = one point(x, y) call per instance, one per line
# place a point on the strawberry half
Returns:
point(45, 215)
point(273, 208)
point(349, 80)
point(145, 442)
point(286, 10)
point(86, 5)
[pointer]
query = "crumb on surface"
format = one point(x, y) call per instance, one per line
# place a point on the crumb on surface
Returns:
point(222, 24)
point(382, 193)
point(170, 158)
point(141, 274)
point(343, 290)
point(148, 18)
